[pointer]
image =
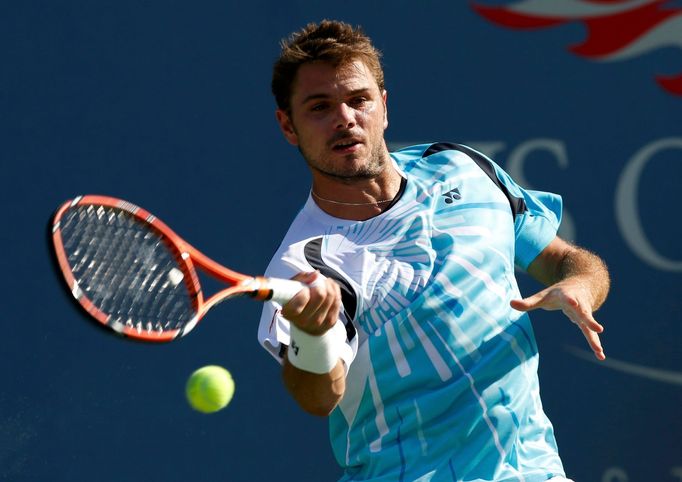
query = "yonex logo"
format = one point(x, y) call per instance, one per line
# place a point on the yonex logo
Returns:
point(452, 196)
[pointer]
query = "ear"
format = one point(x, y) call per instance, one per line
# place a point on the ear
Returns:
point(287, 127)
point(384, 96)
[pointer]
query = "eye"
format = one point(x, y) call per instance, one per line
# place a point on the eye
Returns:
point(358, 101)
point(319, 107)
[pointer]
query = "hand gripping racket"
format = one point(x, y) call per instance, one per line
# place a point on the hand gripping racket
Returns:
point(133, 274)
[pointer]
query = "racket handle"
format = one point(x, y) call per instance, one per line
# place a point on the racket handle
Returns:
point(284, 289)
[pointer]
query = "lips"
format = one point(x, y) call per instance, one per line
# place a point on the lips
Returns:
point(346, 144)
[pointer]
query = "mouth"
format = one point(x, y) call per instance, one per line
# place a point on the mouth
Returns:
point(346, 145)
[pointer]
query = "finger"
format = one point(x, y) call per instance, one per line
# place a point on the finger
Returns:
point(590, 322)
point(533, 302)
point(295, 306)
point(329, 312)
point(580, 315)
point(316, 279)
point(306, 277)
point(318, 290)
point(317, 318)
point(594, 342)
point(590, 335)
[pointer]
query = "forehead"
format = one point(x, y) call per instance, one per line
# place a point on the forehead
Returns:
point(323, 78)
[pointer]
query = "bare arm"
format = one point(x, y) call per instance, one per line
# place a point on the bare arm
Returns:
point(315, 310)
point(316, 394)
point(578, 283)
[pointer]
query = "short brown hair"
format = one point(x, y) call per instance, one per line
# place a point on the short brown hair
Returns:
point(329, 41)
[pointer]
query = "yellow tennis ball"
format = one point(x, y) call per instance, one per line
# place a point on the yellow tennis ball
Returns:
point(209, 389)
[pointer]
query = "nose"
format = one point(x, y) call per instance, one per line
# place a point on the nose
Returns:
point(345, 117)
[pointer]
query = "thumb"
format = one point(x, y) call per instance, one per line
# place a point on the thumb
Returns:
point(306, 277)
point(530, 303)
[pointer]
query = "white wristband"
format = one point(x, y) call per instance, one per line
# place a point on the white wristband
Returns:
point(316, 354)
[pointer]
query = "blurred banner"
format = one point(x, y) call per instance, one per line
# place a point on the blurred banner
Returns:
point(167, 105)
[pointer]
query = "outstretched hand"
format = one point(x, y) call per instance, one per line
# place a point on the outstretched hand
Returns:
point(575, 300)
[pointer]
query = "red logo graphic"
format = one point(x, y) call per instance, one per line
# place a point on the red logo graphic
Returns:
point(616, 29)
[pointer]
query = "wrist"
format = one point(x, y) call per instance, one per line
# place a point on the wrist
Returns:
point(316, 353)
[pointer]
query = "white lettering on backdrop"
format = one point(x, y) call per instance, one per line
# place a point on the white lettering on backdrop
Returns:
point(627, 213)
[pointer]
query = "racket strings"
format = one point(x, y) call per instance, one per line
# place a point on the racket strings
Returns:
point(126, 269)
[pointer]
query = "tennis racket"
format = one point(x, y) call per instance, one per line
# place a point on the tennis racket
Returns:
point(134, 275)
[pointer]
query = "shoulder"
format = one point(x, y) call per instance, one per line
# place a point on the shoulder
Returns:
point(290, 257)
point(438, 152)
point(438, 159)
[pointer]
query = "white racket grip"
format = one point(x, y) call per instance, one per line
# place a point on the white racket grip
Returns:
point(284, 289)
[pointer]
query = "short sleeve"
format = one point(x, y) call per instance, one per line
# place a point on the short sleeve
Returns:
point(537, 226)
point(537, 215)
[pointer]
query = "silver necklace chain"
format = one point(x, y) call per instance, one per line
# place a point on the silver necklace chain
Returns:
point(383, 201)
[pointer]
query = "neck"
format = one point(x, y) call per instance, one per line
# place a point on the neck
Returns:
point(358, 201)
point(341, 203)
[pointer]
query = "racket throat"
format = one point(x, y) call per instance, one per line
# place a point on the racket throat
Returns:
point(258, 288)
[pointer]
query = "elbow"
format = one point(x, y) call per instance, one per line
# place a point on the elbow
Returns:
point(314, 401)
point(317, 395)
point(317, 409)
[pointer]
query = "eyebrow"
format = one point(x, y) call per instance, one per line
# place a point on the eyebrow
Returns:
point(352, 93)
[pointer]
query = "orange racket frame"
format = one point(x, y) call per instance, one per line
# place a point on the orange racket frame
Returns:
point(257, 287)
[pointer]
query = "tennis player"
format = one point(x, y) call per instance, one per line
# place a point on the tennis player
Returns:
point(413, 337)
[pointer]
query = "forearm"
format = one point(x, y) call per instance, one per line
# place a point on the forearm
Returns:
point(577, 284)
point(313, 371)
point(590, 269)
point(317, 394)
point(561, 261)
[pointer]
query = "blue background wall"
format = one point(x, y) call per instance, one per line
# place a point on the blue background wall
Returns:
point(167, 104)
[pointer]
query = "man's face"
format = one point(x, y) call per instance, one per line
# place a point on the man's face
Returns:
point(337, 119)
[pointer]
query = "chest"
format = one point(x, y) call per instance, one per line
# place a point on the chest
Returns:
point(451, 229)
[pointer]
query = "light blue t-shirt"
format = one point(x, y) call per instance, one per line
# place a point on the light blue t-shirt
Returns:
point(442, 382)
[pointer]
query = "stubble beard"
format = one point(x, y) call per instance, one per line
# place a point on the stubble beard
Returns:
point(372, 168)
